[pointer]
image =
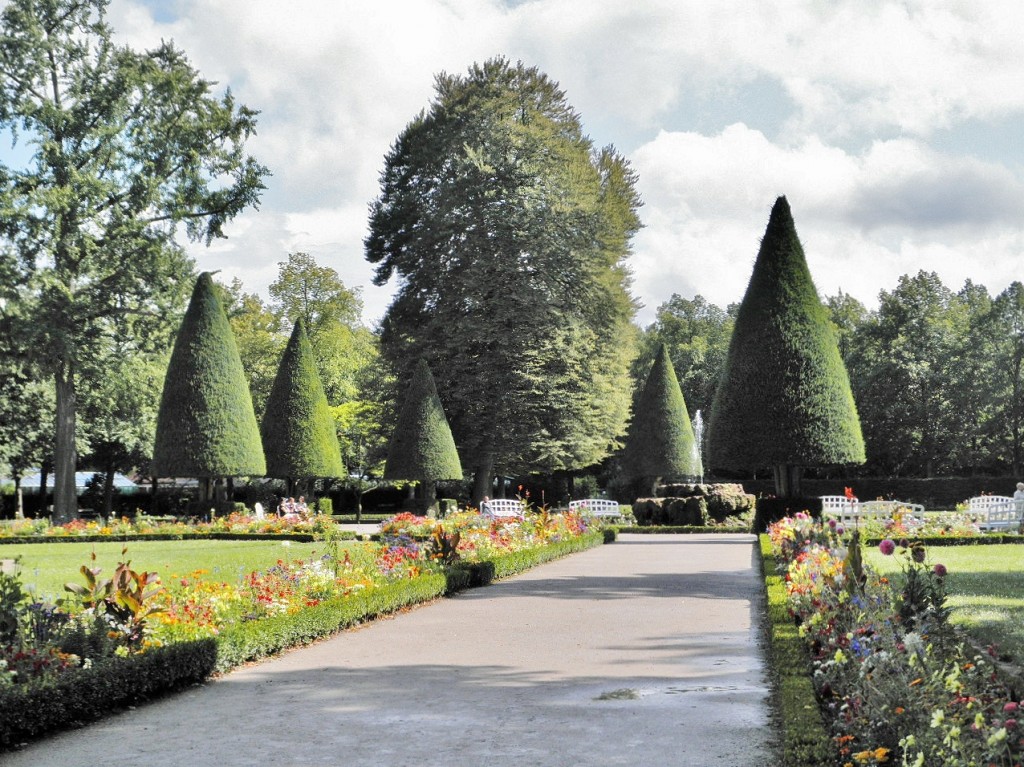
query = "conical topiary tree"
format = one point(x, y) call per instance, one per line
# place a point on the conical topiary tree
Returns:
point(206, 426)
point(660, 440)
point(784, 399)
point(422, 448)
point(299, 436)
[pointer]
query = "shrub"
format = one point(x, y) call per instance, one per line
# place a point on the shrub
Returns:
point(325, 506)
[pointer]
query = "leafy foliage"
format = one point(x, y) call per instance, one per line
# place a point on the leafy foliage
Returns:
point(508, 233)
point(206, 426)
point(298, 430)
point(122, 148)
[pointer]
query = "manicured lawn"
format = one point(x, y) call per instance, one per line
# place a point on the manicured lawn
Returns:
point(986, 590)
point(46, 567)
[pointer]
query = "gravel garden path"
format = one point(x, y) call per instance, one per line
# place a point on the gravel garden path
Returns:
point(643, 652)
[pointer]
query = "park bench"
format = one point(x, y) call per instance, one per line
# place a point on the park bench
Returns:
point(597, 507)
point(849, 511)
point(502, 508)
point(996, 512)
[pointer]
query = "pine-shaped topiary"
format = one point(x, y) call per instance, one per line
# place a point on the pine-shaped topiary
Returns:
point(299, 436)
point(206, 426)
point(784, 399)
point(422, 448)
point(660, 441)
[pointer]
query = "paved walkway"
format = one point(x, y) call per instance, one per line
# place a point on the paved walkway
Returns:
point(644, 652)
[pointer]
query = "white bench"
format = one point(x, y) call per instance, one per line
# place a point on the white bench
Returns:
point(597, 507)
point(996, 512)
point(502, 508)
point(837, 505)
point(851, 511)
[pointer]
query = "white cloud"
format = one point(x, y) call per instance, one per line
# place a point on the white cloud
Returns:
point(853, 90)
point(864, 220)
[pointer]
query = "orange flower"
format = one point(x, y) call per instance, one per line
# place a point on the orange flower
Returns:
point(899, 710)
point(916, 682)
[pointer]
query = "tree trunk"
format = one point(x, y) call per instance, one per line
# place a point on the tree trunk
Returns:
point(482, 479)
point(19, 500)
point(429, 492)
point(108, 493)
point(787, 480)
point(65, 496)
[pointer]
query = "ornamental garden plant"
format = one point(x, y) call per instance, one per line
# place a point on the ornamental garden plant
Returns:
point(897, 683)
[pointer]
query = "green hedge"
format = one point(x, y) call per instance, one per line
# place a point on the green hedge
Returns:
point(298, 537)
point(85, 695)
point(805, 739)
point(686, 529)
point(987, 539)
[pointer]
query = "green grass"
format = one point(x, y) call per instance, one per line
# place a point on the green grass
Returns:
point(46, 567)
point(986, 590)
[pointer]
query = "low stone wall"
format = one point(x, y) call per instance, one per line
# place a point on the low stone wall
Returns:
point(692, 504)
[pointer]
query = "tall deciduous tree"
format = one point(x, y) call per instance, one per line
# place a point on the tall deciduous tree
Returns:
point(784, 400)
point(121, 147)
point(298, 429)
point(508, 233)
point(422, 448)
point(660, 443)
point(697, 335)
point(331, 311)
point(206, 427)
point(1006, 374)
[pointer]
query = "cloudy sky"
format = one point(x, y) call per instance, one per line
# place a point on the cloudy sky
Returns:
point(894, 128)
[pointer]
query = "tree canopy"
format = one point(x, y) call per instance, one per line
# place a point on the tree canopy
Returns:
point(508, 233)
point(784, 399)
point(299, 438)
point(121, 148)
point(206, 426)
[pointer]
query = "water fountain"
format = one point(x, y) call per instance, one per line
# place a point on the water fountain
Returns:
point(698, 445)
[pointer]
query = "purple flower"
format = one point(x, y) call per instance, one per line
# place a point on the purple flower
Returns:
point(940, 570)
point(887, 547)
point(917, 554)
point(832, 524)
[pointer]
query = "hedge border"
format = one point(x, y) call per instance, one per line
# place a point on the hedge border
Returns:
point(683, 529)
point(806, 741)
point(85, 695)
point(345, 535)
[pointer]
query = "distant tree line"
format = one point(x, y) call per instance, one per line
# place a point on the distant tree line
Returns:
point(937, 374)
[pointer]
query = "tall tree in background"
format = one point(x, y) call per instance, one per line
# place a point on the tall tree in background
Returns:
point(123, 147)
point(508, 233)
point(696, 334)
point(331, 313)
point(784, 400)
point(1006, 374)
point(260, 337)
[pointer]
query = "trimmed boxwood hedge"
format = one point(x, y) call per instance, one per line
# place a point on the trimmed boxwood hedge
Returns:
point(344, 535)
point(686, 529)
point(85, 695)
point(805, 739)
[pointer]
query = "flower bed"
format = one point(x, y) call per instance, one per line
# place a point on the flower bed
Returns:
point(129, 638)
point(143, 528)
point(896, 682)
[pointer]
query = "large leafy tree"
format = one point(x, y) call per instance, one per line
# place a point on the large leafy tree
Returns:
point(298, 429)
point(206, 426)
point(660, 443)
point(330, 311)
point(117, 149)
point(784, 399)
point(1005, 326)
point(260, 337)
point(508, 233)
point(696, 334)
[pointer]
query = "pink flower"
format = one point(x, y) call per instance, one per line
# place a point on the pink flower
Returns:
point(1010, 723)
point(1010, 707)
point(887, 547)
point(940, 570)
